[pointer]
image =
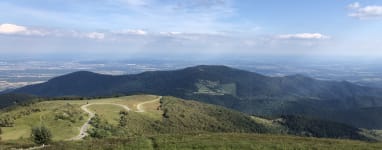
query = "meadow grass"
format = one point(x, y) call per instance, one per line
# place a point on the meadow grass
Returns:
point(212, 141)
point(146, 130)
point(64, 129)
point(256, 141)
point(61, 129)
point(107, 112)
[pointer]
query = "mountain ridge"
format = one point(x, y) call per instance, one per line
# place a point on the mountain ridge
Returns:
point(245, 91)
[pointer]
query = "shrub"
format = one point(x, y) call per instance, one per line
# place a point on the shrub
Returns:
point(41, 135)
point(6, 121)
point(122, 121)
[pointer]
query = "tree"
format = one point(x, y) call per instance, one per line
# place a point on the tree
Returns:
point(41, 135)
point(123, 121)
point(95, 121)
point(123, 118)
point(99, 133)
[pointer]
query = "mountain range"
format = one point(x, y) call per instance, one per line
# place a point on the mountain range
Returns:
point(245, 91)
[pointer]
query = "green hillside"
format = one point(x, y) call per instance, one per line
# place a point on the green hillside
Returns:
point(170, 115)
point(152, 122)
point(176, 116)
point(210, 141)
point(180, 116)
point(63, 117)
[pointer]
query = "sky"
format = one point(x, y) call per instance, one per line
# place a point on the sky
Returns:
point(190, 28)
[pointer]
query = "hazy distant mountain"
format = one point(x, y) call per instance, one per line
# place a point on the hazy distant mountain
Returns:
point(245, 91)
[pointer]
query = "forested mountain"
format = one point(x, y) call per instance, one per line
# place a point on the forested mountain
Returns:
point(241, 90)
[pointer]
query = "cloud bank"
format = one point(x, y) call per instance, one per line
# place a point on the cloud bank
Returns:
point(365, 12)
point(12, 29)
point(95, 35)
point(304, 36)
point(134, 41)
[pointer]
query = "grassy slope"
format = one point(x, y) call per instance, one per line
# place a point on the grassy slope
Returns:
point(271, 125)
point(210, 141)
point(181, 116)
point(173, 115)
point(63, 129)
point(190, 116)
point(108, 112)
point(148, 130)
point(255, 141)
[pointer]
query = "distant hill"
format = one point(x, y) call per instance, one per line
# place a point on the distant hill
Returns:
point(241, 90)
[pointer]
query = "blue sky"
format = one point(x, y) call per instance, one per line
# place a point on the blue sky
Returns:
point(116, 28)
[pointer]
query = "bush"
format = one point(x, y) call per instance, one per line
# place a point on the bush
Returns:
point(99, 133)
point(95, 121)
point(123, 118)
point(41, 135)
point(6, 121)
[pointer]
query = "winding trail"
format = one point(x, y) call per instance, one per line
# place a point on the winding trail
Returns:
point(85, 127)
point(83, 131)
point(139, 106)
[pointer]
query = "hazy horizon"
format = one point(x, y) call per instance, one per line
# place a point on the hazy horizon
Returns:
point(335, 40)
point(189, 29)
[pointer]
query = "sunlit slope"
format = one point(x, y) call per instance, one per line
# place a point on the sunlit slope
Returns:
point(64, 118)
point(147, 114)
point(212, 141)
point(155, 122)
point(175, 116)
point(154, 115)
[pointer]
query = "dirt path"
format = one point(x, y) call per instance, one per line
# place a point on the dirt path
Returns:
point(33, 148)
point(139, 106)
point(85, 127)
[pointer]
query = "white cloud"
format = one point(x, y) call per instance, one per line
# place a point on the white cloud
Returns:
point(12, 29)
point(201, 4)
point(155, 15)
point(95, 35)
point(136, 2)
point(354, 5)
point(170, 33)
point(304, 36)
point(132, 31)
point(367, 12)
